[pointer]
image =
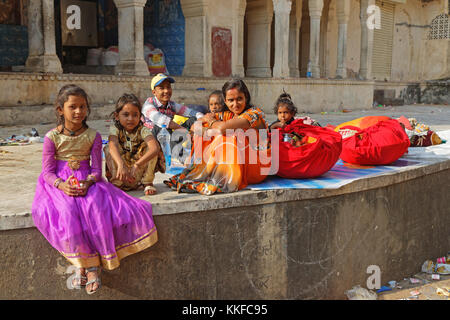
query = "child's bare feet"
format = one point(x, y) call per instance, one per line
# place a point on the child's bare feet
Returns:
point(149, 190)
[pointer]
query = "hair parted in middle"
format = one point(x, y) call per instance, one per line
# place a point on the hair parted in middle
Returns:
point(240, 85)
point(124, 99)
point(63, 95)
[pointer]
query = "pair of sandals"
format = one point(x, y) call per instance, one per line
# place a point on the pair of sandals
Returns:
point(81, 280)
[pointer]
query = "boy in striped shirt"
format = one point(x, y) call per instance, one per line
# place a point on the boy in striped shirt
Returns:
point(159, 110)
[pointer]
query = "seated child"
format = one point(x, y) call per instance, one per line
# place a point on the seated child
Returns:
point(132, 154)
point(89, 221)
point(216, 102)
point(286, 110)
point(159, 110)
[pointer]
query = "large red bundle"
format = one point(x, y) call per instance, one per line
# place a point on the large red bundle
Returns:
point(317, 151)
point(381, 143)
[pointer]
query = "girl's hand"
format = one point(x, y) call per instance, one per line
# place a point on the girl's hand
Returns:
point(122, 173)
point(277, 125)
point(71, 191)
point(84, 186)
point(133, 172)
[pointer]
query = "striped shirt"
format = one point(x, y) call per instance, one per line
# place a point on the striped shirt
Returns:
point(155, 113)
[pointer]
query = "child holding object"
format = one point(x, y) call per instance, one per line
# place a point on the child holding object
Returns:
point(89, 221)
point(132, 154)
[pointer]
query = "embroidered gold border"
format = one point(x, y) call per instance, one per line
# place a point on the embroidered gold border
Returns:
point(111, 261)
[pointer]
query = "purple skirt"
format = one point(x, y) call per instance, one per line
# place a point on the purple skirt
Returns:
point(100, 228)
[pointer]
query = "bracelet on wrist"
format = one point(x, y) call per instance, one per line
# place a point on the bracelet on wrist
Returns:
point(91, 178)
point(211, 123)
point(57, 182)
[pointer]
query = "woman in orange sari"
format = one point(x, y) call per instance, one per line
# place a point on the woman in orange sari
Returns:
point(231, 148)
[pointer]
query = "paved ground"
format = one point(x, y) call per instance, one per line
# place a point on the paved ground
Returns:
point(14, 159)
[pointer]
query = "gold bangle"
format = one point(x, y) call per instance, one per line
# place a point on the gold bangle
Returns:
point(91, 178)
point(57, 182)
point(212, 122)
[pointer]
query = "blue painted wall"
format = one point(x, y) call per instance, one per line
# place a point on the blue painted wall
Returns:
point(164, 28)
point(13, 45)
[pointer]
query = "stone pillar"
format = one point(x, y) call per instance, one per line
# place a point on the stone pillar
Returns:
point(259, 25)
point(282, 9)
point(131, 38)
point(315, 13)
point(41, 38)
point(295, 22)
point(342, 13)
point(365, 68)
point(237, 63)
point(197, 39)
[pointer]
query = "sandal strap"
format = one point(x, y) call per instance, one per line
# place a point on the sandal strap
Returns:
point(96, 280)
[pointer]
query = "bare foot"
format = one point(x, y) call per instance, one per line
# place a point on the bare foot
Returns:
point(149, 190)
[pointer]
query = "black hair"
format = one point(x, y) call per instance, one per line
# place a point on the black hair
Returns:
point(126, 98)
point(240, 85)
point(219, 94)
point(63, 96)
point(285, 99)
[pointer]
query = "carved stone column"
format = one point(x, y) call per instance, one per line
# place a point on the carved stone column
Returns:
point(131, 38)
point(41, 38)
point(197, 39)
point(282, 9)
point(315, 13)
point(259, 23)
point(237, 63)
point(295, 22)
point(343, 13)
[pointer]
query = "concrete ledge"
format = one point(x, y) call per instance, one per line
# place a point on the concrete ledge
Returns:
point(287, 244)
point(310, 95)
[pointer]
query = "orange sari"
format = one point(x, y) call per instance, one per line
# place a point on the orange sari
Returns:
point(227, 163)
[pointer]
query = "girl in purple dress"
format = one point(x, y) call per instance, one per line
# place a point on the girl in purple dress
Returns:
point(89, 221)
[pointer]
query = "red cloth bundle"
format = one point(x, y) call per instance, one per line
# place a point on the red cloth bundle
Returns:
point(379, 144)
point(317, 151)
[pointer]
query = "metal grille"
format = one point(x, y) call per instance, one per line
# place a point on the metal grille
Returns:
point(382, 42)
point(440, 28)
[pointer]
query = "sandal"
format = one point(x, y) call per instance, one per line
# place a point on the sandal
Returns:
point(149, 190)
point(95, 280)
point(79, 280)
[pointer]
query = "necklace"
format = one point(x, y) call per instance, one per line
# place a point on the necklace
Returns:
point(72, 133)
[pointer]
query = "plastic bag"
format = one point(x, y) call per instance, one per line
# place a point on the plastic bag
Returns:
point(110, 57)
point(155, 59)
point(359, 293)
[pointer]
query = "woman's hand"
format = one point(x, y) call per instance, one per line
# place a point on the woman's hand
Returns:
point(207, 118)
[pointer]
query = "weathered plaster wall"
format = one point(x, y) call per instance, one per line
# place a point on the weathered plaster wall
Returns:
point(414, 57)
point(315, 248)
point(21, 90)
